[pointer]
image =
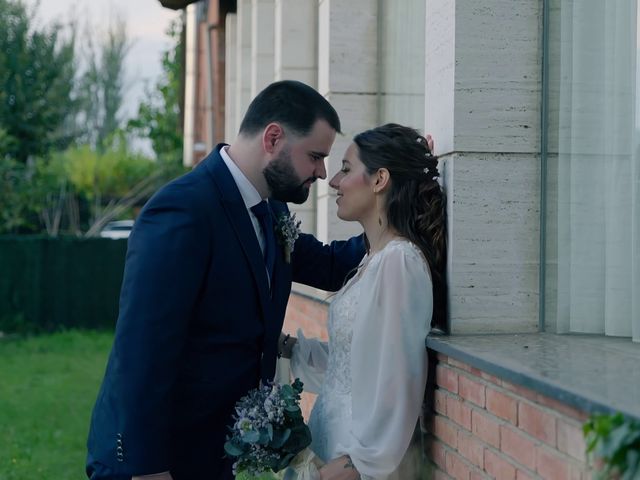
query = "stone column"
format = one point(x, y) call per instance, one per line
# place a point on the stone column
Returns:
point(483, 96)
point(295, 58)
point(347, 77)
point(243, 61)
point(262, 44)
point(231, 79)
point(296, 40)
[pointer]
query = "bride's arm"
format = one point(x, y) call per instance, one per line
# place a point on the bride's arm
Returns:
point(388, 361)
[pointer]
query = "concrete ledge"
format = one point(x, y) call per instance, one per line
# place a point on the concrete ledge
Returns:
point(590, 372)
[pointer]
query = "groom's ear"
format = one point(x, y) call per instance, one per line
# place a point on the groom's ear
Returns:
point(382, 180)
point(271, 136)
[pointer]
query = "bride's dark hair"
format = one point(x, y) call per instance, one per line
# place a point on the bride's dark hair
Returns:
point(415, 203)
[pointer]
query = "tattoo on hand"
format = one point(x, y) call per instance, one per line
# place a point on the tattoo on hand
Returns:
point(349, 463)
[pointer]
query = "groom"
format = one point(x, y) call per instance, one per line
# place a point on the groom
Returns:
point(205, 289)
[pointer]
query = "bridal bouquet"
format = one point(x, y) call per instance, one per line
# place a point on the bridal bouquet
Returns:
point(268, 430)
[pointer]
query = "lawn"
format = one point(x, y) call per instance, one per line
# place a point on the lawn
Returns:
point(47, 388)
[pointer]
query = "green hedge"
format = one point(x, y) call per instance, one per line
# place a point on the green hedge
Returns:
point(49, 284)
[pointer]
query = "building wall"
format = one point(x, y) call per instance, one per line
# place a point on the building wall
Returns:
point(484, 427)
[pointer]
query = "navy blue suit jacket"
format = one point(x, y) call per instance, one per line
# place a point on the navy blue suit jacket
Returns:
point(198, 327)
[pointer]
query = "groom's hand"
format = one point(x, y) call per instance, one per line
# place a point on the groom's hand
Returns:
point(154, 476)
point(430, 144)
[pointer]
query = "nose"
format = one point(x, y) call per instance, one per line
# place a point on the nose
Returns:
point(335, 181)
point(321, 171)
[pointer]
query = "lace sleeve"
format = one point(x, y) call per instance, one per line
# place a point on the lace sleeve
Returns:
point(309, 358)
point(389, 359)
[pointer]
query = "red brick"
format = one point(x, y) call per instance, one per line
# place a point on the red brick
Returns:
point(459, 412)
point(502, 405)
point(486, 428)
point(440, 401)
point(457, 364)
point(521, 475)
point(498, 467)
point(490, 378)
point(563, 408)
point(456, 467)
point(471, 448)
point(518, 447)
point(471, 390)
point(446, 431)
point(550, 466)
point(442, 358)
point(446, 378)
point(478, 476)
point(438, 454)
point(571, 440)
point(537, 423)
point(440, 475)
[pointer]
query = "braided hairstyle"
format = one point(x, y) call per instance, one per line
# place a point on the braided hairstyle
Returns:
point(415, 204)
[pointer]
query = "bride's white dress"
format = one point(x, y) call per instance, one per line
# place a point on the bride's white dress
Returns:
point(372, 373)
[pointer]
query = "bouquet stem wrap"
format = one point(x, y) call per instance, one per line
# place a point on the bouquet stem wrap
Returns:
point(304, 466)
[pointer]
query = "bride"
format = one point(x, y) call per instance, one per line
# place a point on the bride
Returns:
point(371, 375)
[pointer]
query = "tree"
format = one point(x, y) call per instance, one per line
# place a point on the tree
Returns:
point(37, 71)
point(102, 85)
point(160, 118)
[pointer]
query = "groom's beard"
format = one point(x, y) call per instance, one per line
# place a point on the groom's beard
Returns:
point(283, 182)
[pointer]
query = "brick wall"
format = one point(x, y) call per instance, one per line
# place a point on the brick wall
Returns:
point(311, 316)
point(485, 427)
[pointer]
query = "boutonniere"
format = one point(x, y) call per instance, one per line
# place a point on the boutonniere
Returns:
point(287, 230)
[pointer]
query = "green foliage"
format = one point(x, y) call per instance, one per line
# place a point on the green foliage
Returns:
point(615, 440)
point(37, 70)
point(64, 162)
point(15, 213)
point(48, 387)
point(160, 118)
point(110, 174)
point(101, 89)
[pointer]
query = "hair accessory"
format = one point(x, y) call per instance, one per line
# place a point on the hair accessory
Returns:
point(434, 174)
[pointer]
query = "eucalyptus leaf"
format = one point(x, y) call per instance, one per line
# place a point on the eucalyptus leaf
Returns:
point(251, 436)
point(232, 449)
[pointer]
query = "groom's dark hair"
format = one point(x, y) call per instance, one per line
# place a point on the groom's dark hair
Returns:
point(294, 104)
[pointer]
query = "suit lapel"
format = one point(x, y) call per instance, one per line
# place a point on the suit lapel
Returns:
point(238, 217)
point(281, 271)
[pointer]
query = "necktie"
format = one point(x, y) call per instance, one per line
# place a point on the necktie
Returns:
point(262, 213)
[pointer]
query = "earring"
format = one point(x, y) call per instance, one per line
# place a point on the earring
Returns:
point(379, 216)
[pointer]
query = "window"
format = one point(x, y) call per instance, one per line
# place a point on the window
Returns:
point(592, 265)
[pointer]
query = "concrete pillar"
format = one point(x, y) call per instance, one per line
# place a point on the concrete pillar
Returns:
point(347, 77)
point(231, 79)
point(243, 60)
point(295, 58)
point(483, 96)
point(296, 40)
point(262, 44)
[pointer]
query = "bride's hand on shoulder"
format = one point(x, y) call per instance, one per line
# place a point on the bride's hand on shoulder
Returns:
point(341, 468)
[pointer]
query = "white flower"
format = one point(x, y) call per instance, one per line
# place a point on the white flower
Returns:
point(288, 231)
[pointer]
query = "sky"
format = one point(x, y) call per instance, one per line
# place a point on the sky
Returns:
point(146, 22)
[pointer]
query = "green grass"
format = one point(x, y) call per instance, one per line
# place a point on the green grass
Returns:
point(48, 385)
point(47, 388)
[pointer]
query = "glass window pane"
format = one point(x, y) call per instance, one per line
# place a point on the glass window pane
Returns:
point(592, 269)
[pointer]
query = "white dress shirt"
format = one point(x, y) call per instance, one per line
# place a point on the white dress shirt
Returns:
point(249, 194)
